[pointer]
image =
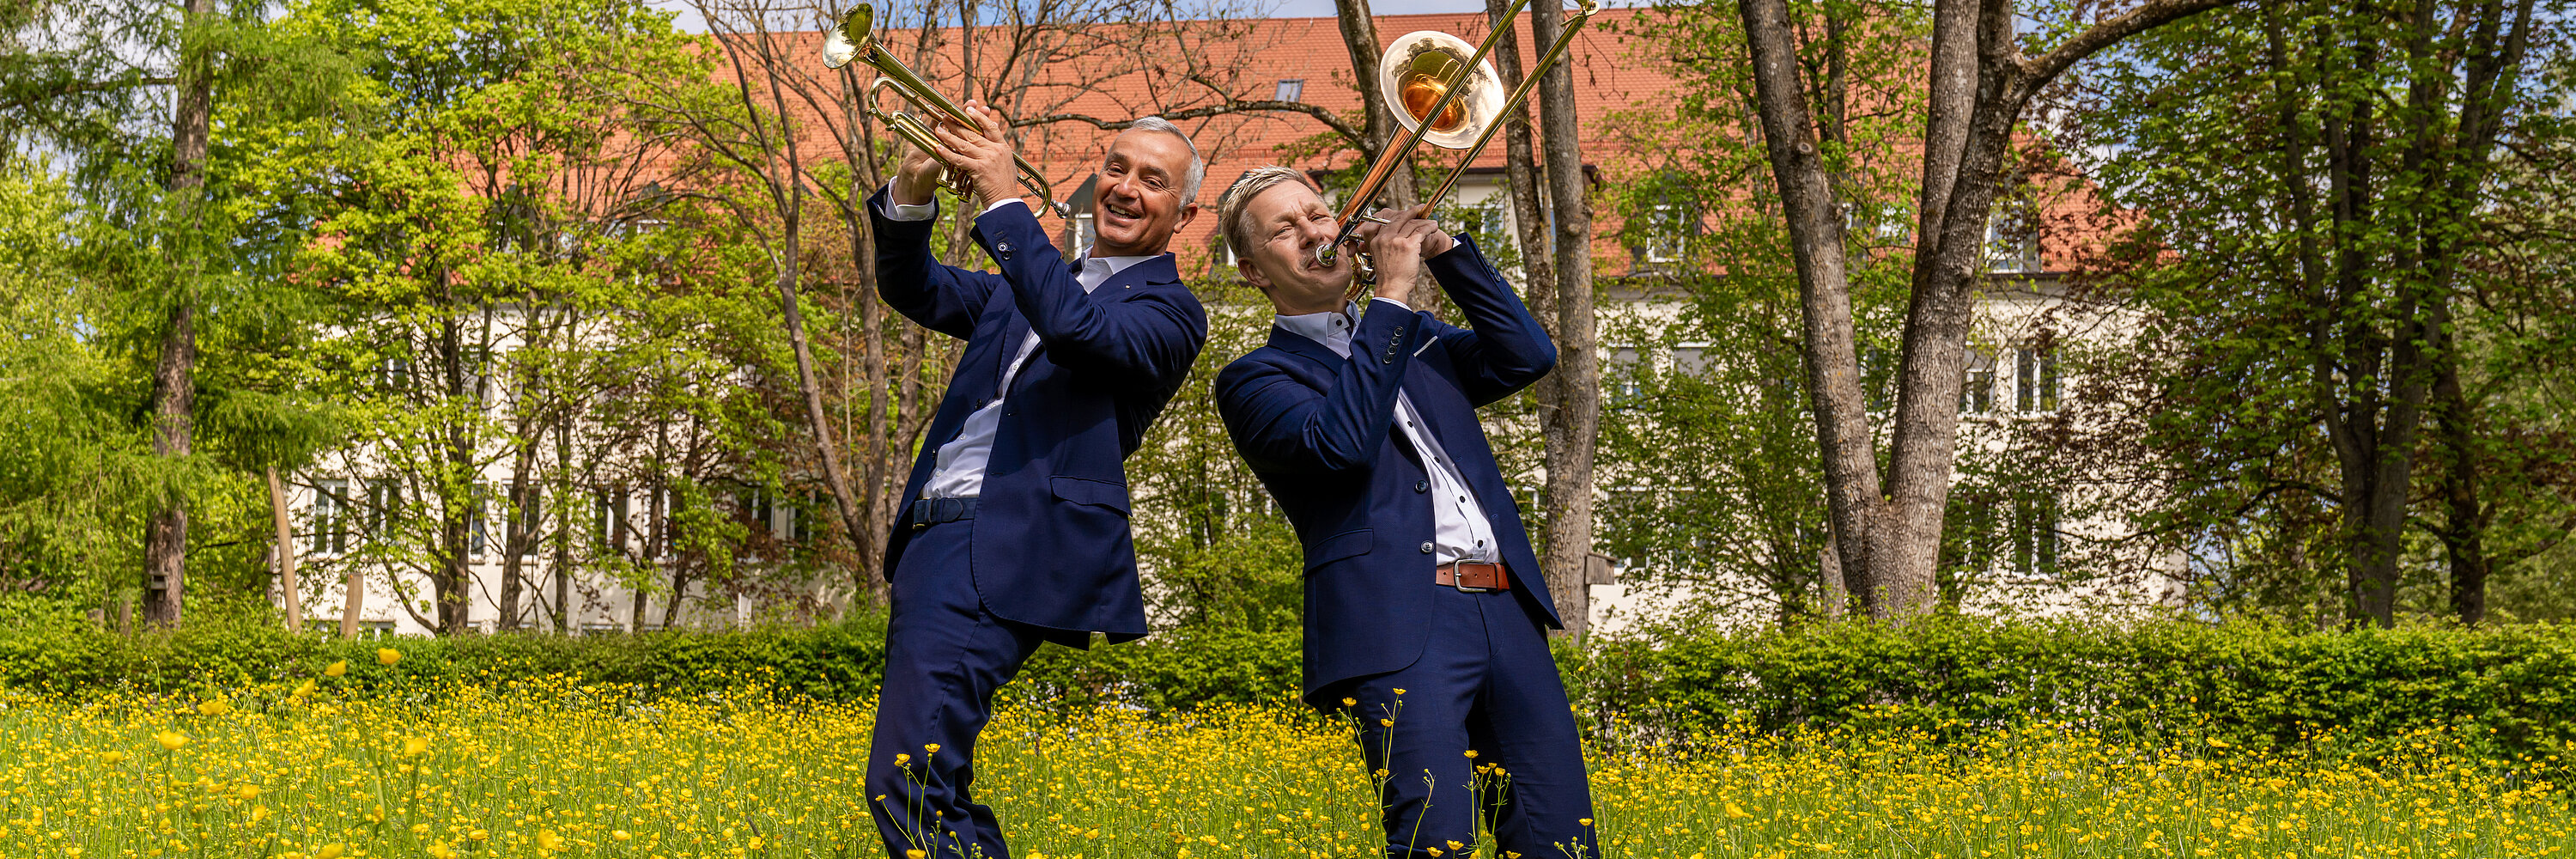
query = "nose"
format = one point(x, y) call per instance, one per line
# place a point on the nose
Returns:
point(1123, 189)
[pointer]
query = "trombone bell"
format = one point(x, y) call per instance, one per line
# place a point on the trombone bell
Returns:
point(1423, 65)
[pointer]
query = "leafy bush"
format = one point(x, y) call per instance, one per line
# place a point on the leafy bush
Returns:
point(2250, 685)
point(2259, 686)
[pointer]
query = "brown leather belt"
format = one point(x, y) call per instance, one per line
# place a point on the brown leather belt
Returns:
point(1472, 576)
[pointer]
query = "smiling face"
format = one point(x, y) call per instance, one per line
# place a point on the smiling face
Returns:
point(1138, 204)
point(1284, 224)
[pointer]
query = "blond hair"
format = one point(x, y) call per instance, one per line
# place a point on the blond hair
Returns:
point(1230, 215)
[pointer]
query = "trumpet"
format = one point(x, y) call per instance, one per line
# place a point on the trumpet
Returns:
point(852, 37)
point(1445, 94)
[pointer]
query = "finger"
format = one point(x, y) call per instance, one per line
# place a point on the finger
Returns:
point(994, 127)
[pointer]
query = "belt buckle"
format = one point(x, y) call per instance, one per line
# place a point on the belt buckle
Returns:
point(1458, 579)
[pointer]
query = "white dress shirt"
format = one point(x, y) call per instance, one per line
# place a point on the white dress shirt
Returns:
point(1460, 530)
point(958, 471)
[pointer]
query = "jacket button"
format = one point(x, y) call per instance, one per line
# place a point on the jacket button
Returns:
point(1421, 486)
point(1426, 547)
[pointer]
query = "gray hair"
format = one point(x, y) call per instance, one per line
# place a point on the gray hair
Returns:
point(1197, 173)
point(1230, 214)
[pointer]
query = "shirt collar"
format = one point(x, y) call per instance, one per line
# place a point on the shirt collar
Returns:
point(1331, 328)
point(1109, 267)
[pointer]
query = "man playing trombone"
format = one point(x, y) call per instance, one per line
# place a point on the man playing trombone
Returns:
point(1014, 530)
point(1424, 604)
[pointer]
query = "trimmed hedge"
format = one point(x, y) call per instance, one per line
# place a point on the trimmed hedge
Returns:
point(840, 662)
point(2252, 685)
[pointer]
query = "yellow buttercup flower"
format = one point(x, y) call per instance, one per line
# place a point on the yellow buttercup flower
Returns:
point(619, 834)
point(111, 757)
point(914, 854)
point(1471, 753)
point(171, 740)
point(932, 748)
point(1350, 702)
point(548, 841)
point(415, 745)
point(302, 689)
point(388, 656)
point(330, 851)
point(214, 707)
point(247, 792)
point(336, 669)
point(442, 851)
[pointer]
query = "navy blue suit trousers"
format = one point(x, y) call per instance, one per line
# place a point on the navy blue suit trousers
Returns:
point(945, 655)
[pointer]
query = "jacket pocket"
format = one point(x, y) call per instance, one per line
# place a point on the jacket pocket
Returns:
point(1339, 546)
point(1084, 490)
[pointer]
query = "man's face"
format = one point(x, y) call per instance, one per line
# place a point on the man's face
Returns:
point(1138, 205)
point(1289, 220)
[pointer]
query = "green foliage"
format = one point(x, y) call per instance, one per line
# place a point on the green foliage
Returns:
point(1951, 677)
point(2254, 685)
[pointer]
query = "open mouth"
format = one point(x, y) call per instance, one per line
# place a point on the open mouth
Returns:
point(1121, 212)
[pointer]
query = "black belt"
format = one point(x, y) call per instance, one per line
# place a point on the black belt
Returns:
point(932, 511)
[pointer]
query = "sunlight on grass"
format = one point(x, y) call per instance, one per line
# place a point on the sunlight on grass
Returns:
point(558, 768)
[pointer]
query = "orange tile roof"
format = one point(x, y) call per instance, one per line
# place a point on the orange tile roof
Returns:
point(1247, 61)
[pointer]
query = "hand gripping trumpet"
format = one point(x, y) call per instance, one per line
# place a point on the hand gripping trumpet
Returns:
point(853, 37)
point(1447, 101)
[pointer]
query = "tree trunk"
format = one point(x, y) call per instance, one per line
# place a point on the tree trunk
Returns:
point(1571, 436)
point(563, 527)
point(174, 387)
point(356, 599)
point(1888, 539)
point(1359, 38)
point(286, 584)
point(514, 537)
point(1824, 285)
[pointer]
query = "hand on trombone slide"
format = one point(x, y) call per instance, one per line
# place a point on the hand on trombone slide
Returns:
point(1397, 243)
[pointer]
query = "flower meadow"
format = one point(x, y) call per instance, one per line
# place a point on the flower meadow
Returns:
point(556, 767)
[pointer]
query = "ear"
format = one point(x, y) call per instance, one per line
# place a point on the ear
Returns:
point(1189, 212)
point(1252, 274)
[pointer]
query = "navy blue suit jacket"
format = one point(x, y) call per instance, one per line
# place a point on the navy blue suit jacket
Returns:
point(1051, 546)
point(1318, 429)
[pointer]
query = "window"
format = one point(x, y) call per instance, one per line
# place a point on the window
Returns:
point(330, 516)
point(1693, 359)
point(2035, 535)
point(2034, 380)
point(1977, 392)
point(611, 510)
point(1490, 220)
point(395, 373)
point(2012, 239)
point(1668, 228)
point(384, 506)
point(478, 531)
point(1290, 89)
point(531, 520)
point(1619, 370)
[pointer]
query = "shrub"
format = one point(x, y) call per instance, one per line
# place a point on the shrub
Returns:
point(2248, 684)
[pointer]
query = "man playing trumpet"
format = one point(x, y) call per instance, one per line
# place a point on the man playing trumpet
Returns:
point(1424, 604)
point(1014, 530)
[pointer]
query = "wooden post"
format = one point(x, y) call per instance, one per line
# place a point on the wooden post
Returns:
point(285, 553)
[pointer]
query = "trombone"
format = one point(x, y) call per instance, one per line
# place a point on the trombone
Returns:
point(853, 37)
point(1446, 101)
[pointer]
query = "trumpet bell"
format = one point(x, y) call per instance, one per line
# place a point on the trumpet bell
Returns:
point(1421, 66)
point(840, 46)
